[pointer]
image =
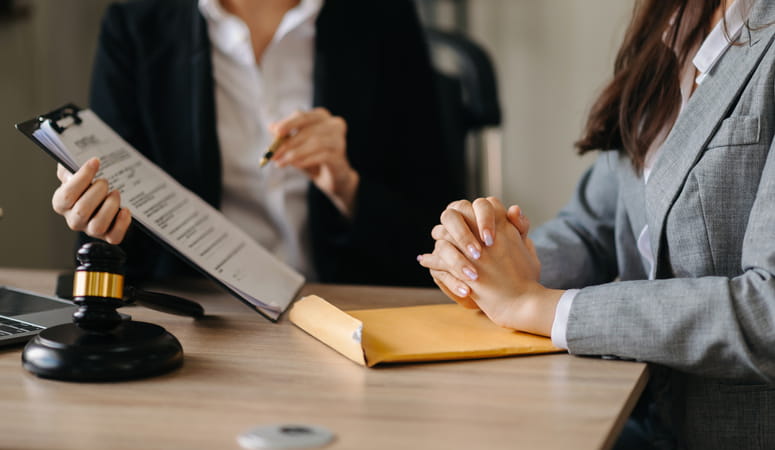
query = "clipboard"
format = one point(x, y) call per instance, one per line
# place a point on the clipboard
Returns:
point(70, 115)
point(29, 127)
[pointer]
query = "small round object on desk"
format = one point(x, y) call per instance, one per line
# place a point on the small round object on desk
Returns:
point(285, 436)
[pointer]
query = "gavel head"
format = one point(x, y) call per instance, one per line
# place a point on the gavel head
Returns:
point(98, 286)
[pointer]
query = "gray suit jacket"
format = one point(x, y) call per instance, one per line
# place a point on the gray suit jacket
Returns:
point(708, 322)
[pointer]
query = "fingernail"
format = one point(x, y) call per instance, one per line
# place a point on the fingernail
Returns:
point(419, 258)
point(463, 291)
point(470, 273)
point(488, 240)
point(93, 163)
point(474, 252)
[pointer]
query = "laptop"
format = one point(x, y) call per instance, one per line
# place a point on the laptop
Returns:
point(23, 314)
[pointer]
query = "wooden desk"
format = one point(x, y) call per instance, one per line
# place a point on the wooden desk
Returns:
point(241, 370)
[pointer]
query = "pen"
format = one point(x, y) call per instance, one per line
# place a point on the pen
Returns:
point(272, 148)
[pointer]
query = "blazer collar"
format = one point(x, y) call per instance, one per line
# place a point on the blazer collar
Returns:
point(701, 117)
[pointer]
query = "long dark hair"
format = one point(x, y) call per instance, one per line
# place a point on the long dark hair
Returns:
point(644, 95)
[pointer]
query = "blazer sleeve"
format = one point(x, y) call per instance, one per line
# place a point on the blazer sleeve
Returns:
point(577, 248)
point(713, 326)
point(114, 98)
point(113, 93)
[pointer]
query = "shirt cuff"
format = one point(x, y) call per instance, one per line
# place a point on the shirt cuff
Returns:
point(560, 325)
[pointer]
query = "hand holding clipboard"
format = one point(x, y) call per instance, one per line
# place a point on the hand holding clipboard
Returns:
point(176, 217)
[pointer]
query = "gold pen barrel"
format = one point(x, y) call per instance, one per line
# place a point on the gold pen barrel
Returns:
point(272, 148)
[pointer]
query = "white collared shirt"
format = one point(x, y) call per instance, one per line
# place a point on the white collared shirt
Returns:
point(710, 52)
point(268, 203)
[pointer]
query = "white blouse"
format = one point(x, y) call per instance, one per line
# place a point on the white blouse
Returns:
point(269, 203)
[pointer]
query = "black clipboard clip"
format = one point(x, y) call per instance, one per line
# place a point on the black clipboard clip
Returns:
point(53, 117)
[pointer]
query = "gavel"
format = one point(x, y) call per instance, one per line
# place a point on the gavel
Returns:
point(101, 344)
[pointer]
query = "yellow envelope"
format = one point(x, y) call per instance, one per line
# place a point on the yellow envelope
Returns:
point(412, 333)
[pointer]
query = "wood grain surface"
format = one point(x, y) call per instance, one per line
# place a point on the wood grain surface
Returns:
point(241, 370)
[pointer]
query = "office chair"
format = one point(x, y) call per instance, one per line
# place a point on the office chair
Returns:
point(471, 114)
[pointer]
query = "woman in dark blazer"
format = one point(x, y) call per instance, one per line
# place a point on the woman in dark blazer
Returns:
point(153, 83)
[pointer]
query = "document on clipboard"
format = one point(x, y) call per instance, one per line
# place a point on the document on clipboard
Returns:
point(172, 214)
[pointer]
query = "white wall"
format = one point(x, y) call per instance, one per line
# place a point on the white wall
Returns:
point(552, 58)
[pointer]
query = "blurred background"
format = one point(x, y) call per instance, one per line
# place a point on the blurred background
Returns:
point(551, 58)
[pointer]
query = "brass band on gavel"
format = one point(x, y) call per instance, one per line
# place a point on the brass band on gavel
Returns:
point(98, 284)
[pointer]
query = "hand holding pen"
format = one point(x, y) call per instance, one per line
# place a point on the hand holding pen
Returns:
point(315, 142)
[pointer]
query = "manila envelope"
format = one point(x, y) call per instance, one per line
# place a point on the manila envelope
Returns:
point(412, 333)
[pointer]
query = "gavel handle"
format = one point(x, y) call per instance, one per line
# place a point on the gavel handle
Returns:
point(167, 303)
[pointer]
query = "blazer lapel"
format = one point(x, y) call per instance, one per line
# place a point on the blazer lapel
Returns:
point(700, 119)
point(205, 154)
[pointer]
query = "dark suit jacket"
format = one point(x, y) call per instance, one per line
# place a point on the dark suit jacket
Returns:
point(153, 84)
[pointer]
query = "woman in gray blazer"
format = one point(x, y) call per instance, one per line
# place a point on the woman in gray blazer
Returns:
point(666, 253)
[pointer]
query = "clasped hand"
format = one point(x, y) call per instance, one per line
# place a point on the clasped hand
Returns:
point(484, 259)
